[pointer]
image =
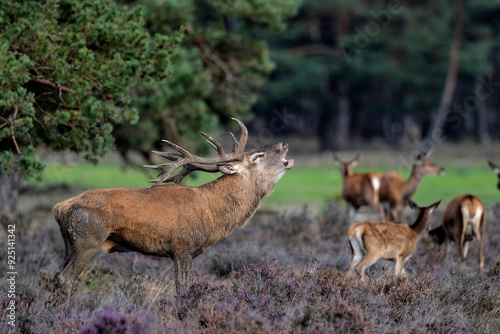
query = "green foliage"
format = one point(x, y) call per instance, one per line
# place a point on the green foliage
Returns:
point(67, 72)
point(216, 73)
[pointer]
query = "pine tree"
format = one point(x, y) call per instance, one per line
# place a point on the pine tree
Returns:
point(67, 73)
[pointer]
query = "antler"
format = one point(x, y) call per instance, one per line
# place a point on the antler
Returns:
point(191, 163)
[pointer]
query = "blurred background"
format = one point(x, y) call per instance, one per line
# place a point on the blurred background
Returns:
point(82, 80)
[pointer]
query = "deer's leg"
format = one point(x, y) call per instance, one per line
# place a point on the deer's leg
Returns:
point(83, 255)
point(357, 256)
point(465, 250)
point(480, 237)
point(183, 264)
point(393, 212)
point(68, 254)
point(399, 270)
point(367, 261)
point(65, 274)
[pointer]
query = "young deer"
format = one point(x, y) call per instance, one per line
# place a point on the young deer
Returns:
point(174, 220)
point(359, 189)
point(463, 219)
point(395, 191)
point(496, 169)
point(374, 240)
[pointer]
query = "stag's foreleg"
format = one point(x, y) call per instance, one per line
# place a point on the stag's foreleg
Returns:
point(183, 263)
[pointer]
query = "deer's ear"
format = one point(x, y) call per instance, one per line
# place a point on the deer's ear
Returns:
point(354, 161)
point(257, 156)
point(434, 206)
point(336, 158)
point(229, 168)
point(412, 205)
point(495, 167)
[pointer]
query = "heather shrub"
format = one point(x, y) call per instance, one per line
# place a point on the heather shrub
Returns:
point(120, 322)
point(282, 273)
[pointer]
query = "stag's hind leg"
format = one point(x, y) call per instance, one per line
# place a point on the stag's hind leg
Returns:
point(68, 254)
point(85, 249)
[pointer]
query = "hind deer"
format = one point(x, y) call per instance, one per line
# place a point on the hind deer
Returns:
point(175, 221)
point(462, 221)
point(496, 169)
point(359, 189)
point(374, 240)
point(395, 191)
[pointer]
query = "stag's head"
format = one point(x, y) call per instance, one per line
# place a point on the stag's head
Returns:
point(346, 167)
point(423, 166)
point(264, 166)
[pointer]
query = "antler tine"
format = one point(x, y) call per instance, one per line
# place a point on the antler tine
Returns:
point(235, 142)
point(176, 147)
point(243, 137)
point(167, 169)
point(177, 178)
point(190, 162)
point(169, 155)
point(214, 143)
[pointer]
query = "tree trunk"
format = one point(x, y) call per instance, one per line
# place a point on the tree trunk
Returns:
point(452, 73)
point(343, 118)
point(482, 119)
point(10, 185)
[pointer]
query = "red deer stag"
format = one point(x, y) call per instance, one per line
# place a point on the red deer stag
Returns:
point(374, 240)
point(359, 189)
point(496, 169)
point(463, 219)
point(176, 221)
point(395, 191)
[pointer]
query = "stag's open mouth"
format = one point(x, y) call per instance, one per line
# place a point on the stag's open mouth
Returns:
point(287, 163)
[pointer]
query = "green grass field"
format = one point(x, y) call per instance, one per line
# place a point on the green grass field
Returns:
point(303, 185)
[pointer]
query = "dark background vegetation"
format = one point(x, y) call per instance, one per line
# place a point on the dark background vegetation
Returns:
point(94, 77)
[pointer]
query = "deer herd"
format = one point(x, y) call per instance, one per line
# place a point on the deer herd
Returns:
point(180, 222)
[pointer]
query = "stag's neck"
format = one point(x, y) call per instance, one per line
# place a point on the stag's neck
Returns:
point(420, 224)
point(236, 200)
point(411, 184)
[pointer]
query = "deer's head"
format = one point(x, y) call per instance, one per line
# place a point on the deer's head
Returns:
point(264, 166)
point(346, 167)
point(423, 166)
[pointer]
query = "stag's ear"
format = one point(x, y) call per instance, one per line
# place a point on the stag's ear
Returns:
point(257, 156)
point(229, 168)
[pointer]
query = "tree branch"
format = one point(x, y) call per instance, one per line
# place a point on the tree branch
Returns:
point(51, 84)
point(16, 109)
point(59, 105)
